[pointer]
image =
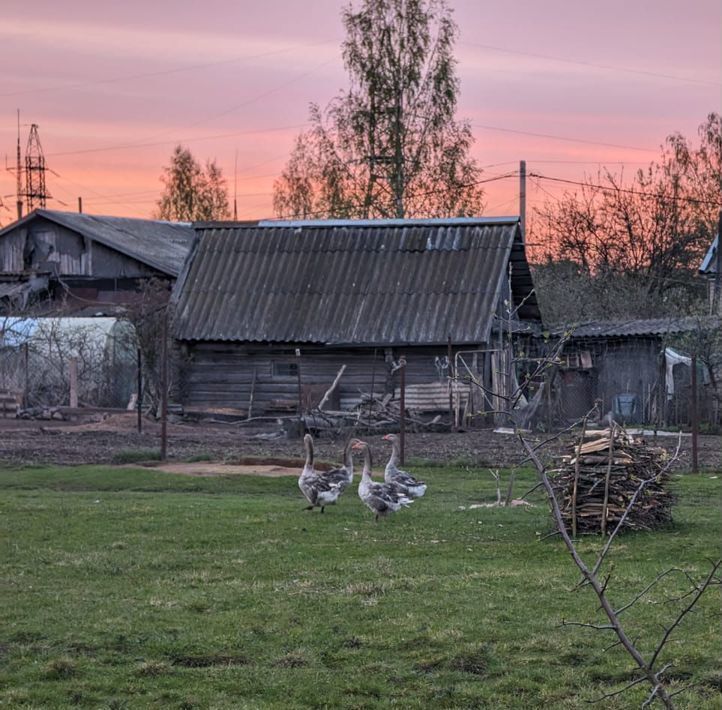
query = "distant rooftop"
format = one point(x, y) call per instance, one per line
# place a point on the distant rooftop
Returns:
point(421, 222)
point(159, 244)
point(643, 326)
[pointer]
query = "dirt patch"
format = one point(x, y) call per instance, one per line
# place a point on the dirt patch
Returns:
point(24, 442)
point(207, 469)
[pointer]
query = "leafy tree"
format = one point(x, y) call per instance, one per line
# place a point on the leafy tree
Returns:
point(192, 193)
point(632, 248)
point(389, 146)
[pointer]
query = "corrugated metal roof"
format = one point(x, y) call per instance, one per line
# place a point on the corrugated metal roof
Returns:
point(161, 245)
point(400, 282)
point(709, 265)
point(641, 327)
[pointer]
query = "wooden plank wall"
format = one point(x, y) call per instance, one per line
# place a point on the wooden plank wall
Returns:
point(218, 375)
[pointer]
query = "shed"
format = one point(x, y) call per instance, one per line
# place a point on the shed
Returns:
point(259, 306)
point(87, 264)
point(628, 366)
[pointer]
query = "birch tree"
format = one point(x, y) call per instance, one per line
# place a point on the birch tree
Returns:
point(191, 192)
point(390, 145)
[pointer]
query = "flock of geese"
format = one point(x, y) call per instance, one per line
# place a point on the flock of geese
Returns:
point(322, 488)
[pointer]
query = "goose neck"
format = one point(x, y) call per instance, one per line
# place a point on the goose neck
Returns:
point(308, 444)
point(395, 454)
point(367, 464)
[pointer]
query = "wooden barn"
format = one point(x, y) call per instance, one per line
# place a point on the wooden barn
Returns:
point(267, 314)
point(80, 264)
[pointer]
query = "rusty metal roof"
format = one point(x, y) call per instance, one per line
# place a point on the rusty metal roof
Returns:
point(389, 282)
point(159, 244)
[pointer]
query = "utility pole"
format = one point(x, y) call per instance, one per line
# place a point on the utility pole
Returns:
point(235, 188)
point(19, 176)
point(522, 199)
point(80, 205)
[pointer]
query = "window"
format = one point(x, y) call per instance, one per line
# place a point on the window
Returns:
point(285, 369)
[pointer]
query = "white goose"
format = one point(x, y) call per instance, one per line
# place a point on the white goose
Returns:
point(392, 474)
point(380, 498)
point(318, 490)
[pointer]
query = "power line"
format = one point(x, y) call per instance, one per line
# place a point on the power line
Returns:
point(426, 193)
point(641, 193)
point(174, 141)
point(148, 141)
point(595, 65)
point(162, 72)
point(592, 162)
point(262, 95)
point(560, 138)
point(539, 186)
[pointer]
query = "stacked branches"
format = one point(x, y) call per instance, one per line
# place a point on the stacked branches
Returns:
point(610, 478)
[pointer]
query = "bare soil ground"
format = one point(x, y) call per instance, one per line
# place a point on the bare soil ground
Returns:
point(24, 442)
point(205, 470)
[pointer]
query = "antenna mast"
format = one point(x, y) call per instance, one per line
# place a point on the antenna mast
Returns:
point(35, 191)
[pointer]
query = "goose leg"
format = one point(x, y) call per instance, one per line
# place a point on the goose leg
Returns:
point(322, 507)
point(376, 518)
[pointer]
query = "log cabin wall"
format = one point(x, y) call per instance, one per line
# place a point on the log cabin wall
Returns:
point(221, 375)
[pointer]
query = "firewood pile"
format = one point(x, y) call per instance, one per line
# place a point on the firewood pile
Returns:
point(599, 479)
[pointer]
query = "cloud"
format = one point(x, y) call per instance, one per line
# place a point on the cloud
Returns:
point(163, 45)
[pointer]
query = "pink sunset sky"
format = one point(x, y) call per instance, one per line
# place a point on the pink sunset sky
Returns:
point(114, 86)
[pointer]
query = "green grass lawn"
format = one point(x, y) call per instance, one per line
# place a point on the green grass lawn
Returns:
point(125, 588)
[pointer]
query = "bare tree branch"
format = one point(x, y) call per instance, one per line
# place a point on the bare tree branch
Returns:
point(709, 580)
point(592, 579)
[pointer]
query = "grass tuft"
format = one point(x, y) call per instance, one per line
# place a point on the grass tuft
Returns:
point(209, 660)
point(61, 668)
point(293, 659)
point(476, 661)
point(151, 669)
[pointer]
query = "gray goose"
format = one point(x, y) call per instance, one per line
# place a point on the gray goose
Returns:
point(392, 474)
point(380, 498)
point(344, 474)
point(317, 489)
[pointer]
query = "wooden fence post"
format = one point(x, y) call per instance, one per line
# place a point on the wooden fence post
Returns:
point(402, 404)
point(73, 372)
point(26, 362)
point(164, 387)
point(694, 416)
point(139, 402)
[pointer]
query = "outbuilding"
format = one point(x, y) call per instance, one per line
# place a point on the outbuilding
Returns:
point(266, 315)
point(68, 263)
